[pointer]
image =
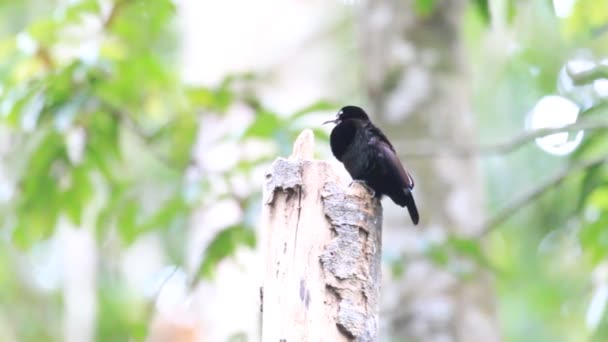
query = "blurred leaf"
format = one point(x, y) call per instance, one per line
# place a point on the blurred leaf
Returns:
point(122, 90)
point(511, 10)
point(424, 8)
point(44, 31)
point(121, 316)
point(59, 86)
point(587, 16)
point(318, 106)
point(224, 245)
point(201, 96)
point(223, 98)
point(106, 218)
point(103, 144)
point(38, 225)
point(592, 179)
point(457, 246)
point(594, 239)
point(470, 248)
point(465, 246)
point(141, 22)
point(178, 137)
point(15, 102)
point(39, 191)
point(599, 198)
point(397, 268)
point(320, 134)
point(601, 332)
point(172, 209)
point(76, 10)
point(8, 47)
point(594, 141)
point(484, 9)
point(238, 337)
point(77, 197)
point(438, 255)
point(217, 100)
point(265, 125)
point(66, 114)
point(31, 112)
point(127, 220)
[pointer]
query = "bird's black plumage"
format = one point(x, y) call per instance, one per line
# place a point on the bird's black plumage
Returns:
point(369, 157)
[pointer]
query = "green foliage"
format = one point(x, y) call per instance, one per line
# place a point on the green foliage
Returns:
point(587, 17)
point(596, 142)
point(592, 204)
point(48, 98)
point(122, 317)
point(594, 234)
point(284, 128)
point(456, 249)
point(138, 122)
point(224, 245)
point(424, 7)
point(102, 136)
point(483, 7)
point(546, 257)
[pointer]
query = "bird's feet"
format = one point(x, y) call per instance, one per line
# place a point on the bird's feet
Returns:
point(363, 184)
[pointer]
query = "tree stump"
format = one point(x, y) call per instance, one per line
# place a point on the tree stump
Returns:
point(321, 246)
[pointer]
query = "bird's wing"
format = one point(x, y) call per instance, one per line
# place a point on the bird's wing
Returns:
point(393, 164)
point(377, 132)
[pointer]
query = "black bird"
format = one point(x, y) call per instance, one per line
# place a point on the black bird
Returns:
point(369, 157)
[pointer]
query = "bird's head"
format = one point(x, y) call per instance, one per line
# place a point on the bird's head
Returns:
point(349, 113)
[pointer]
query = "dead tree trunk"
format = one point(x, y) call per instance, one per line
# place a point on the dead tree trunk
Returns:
point(321, 247)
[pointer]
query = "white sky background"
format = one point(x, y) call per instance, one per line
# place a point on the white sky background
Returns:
point(232, 36)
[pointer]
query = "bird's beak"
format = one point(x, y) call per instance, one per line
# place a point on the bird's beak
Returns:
point(330, 121)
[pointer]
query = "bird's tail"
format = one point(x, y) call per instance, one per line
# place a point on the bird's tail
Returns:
point(411, 206)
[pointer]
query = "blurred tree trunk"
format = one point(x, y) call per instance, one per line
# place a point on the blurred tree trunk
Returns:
point(417, 79)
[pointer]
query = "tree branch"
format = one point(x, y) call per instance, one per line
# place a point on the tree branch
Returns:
point(45, 57)
point(113, 14)
point(600, 70)
point(146, 139)
point(428, 150)
point(530, 195)
point(513, 144)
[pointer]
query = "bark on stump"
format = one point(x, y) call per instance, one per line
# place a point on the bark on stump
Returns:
point(321, 244)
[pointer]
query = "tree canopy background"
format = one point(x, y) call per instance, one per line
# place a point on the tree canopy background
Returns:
point(130, 184)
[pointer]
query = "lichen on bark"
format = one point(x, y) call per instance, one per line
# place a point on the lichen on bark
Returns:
point(351, 261)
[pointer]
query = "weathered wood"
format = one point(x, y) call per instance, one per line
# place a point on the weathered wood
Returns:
point(321, 244)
